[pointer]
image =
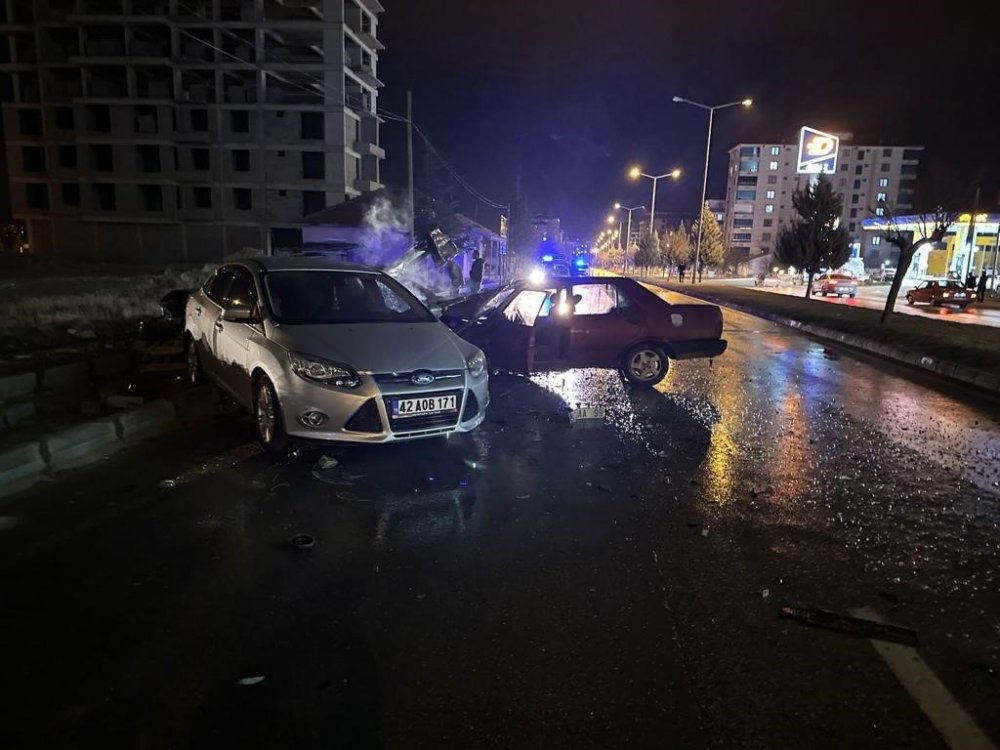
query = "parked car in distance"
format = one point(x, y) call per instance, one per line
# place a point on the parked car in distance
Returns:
point(328, 350)
point(560, 323)
point(839, 284)
point(941, 294)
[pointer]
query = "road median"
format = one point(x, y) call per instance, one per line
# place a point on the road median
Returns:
point(966, 353)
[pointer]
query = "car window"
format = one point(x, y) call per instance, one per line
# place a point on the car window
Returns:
point(598, 299)
point(924, 285)
point(497, 300)
point(241, 291)
point(317, 297)
point(217, 286)
point(524, 308)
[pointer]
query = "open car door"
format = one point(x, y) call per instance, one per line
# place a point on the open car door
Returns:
point(508, 335)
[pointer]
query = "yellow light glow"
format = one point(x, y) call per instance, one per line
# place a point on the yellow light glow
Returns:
point(635, 173)
point(675, 174)
point(617, 206)
point(747, 102)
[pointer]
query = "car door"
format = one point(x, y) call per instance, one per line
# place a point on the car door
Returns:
point(232, 338)
point(508, 335)
point(208, 312)
point(604, 325)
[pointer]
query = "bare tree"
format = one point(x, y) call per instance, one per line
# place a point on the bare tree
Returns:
point(928, 228)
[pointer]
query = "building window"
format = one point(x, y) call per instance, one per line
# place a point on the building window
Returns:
point(880, 197)
point(746, 195)
point(313, 201)
point(772, 165)
point(99, 118)
point(885, 167)
point(37, 195)
point(200, 159)
point(854, 213)
point(243, 199)
point(152, 197)
point(70, 194)
point(64, 118)
point(750, 151)
point(775, 150)
point(148, 158)
point(239, 121)
point(765, 237)
point(769, 208)
point(772, 179)
point(199, 120)
point(30, 121)
point(861, 154)
point(768, 222)
point(741, 236)
point(852, 226)
point(884, 182)
point(746, 180)
point(769, 195)
point(855, 198)
point(312, 125)
point(241, 160)
point(857, 184)
point(282, 193)
point(67, 157)
point(749, 166)
point(911, 154)
point(202, 197)
point(281, 154)
point(908, 169)
point(744, 223)
point(33, 158)
point(104, 196)
point(880, 211)
point(102, 158)
point(843, 167)
point(876, 240)
point(887, 152)
point(313, 165)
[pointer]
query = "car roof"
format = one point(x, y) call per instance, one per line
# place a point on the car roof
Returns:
point(302, 263)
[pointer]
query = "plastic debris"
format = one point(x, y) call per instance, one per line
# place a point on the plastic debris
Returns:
point(474, 464)
point(857, 626)
point(522, 497)
point(326, 462)
point(167, 483)
point(302, 541)
point(704, 532)
point(339, 481)
point(765, 593)
point(247, 681)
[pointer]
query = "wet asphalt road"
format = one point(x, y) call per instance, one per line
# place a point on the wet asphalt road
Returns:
point(535, 584)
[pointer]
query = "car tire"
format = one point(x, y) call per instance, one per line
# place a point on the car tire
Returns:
point(646, 364)
point(195, 373)
point(853, 296)
point(268, 417)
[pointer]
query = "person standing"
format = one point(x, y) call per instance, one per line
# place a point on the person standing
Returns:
point(981, 286)
point(476, 272)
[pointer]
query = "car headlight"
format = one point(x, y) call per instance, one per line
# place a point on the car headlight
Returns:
point(323, 371)
point(476, 364)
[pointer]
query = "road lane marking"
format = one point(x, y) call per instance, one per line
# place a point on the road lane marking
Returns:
point(956, 727)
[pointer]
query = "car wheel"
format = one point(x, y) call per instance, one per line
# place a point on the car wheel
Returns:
point(853, 296)
point(646, 364)
point(267, 414)
point(195, 374)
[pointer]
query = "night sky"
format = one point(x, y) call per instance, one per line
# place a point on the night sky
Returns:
point(574, 92)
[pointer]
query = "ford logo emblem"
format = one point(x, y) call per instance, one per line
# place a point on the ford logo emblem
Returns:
point(422, 378)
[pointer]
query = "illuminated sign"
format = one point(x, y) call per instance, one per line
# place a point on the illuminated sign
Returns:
point(817, 152)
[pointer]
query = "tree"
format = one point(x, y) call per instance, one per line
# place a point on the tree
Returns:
point(676, 247)
point(815, 240)
point(647, 253)
point(713, 247)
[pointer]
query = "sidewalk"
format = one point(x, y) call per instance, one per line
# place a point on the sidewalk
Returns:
point(969, 354)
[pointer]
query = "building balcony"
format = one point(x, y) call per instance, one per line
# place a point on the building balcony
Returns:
point(366, 148)
point(367, 186)
point(366, 75)
point(369, 41)
point(374, 6)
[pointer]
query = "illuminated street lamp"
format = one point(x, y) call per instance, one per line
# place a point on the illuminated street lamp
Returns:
point(635, 173)
point(708, 150)
point(628, 232)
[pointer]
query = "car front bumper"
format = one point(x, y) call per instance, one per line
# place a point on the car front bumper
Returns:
point(362, 414)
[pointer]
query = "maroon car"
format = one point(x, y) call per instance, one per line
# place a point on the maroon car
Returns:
point(611, 322)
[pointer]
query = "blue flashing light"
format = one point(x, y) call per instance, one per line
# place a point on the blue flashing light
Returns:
point(547, 258)
point(580, 262)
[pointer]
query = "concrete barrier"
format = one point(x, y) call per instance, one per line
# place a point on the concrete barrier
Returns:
point(14, 414)
point(154, 418)
point(18, 386)
point(21, 467)
point(80, 445)
point(72, 376)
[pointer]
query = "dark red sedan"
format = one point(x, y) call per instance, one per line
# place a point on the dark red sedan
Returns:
point(610, 322)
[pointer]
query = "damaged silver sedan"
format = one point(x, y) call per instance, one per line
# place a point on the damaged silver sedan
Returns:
point(331, 351)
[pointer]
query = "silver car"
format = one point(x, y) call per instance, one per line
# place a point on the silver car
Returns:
point(332, 351)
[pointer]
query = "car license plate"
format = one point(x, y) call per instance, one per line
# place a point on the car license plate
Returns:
point(423, 405)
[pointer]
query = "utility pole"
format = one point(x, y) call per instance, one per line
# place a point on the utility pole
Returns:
point(409, 158)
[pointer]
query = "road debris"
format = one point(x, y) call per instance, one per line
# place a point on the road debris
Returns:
point(326, 462)
point(857, 626)
point(350, 497)
point(247, 681)
point(302, 541)
point(168, 483)
point(584, 413)
point(340, 481)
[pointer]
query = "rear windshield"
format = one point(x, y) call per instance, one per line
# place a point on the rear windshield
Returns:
point(316, 297)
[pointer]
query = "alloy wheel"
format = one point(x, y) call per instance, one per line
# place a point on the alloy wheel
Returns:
point(265, 413)
point(645, 365)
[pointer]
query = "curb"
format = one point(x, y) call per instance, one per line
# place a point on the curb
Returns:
point(25, 465)
point(988, 381)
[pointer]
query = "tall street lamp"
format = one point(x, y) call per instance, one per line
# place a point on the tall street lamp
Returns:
point(628, 232)
point(635, 173)
point(708, 150)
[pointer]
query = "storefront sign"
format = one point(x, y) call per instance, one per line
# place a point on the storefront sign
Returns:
point(817, 152)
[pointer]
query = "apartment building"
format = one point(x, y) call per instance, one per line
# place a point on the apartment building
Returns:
point(171, 130)
point(763, 176)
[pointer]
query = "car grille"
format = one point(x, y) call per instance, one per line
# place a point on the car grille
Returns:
point(428, 422)
point(404, 377)
point(471, 407)
point(365, 419)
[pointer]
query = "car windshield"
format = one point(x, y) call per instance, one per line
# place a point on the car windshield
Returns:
point(496, 300)
point(316, 297)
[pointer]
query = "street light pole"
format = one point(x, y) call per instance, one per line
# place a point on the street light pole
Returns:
point(704, 182)
point(635, 173)
point(628, 232)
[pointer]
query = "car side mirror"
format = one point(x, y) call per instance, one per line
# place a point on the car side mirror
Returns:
point(238, 314)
